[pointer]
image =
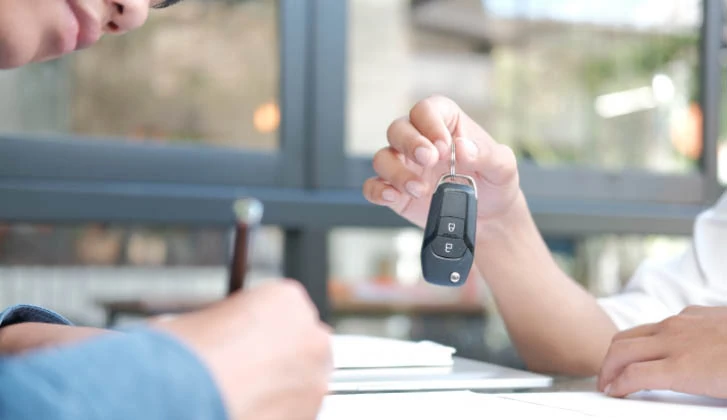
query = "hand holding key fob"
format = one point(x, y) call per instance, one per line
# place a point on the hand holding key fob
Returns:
point(448, 248)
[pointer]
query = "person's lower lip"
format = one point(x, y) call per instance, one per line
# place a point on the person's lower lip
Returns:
point(89, 31)
point(86, 39)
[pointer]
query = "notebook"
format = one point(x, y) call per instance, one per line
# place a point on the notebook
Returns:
point(361, 352)
point(374, 364)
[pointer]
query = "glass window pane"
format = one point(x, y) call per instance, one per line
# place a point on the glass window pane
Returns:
point(611, 84)
point(72, 269)
point(200, 72)
point(722, 161)
point(722, 139)
point(376, 286)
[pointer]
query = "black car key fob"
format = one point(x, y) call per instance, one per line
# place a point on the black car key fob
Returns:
point(448, 247)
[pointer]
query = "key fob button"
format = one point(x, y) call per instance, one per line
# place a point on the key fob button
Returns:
point(448, 247)
point(452, 227)
point(454, 204)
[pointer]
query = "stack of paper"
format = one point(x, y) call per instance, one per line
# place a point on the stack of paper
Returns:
point(459, 405)
point(465, 405)
point(651, 404)
point(362, 352)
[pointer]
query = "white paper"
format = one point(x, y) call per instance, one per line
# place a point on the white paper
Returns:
point(460, 405)
point(641, 406)
point(409, 372)
point(357, 351)
point(466, 405)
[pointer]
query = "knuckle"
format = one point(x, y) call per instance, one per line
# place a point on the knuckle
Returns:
point(616, 352)
point(505, 164)
point(509, 163)
point(293, 292)
point(617, 337)
point(426, 105)
point(630, 373)
point(673, 323)
point(678, 363)
point(618, 347)
point(691, 309)
point(419, 108)
point(606, 369)
point(394, 128)
point(509, 155)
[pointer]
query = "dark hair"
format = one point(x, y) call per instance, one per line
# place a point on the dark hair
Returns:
point(166, 3)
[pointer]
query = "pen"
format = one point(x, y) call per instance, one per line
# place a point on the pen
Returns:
point(248, 214)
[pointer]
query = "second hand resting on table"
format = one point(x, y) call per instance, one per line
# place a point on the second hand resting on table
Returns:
point(684, 353)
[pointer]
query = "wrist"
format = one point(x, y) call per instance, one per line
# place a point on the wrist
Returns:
point(503, 225)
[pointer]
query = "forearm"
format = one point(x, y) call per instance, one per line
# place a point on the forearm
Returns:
point(556, 325)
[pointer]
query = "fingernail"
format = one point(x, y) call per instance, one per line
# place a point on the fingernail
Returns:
point(607, 390)
point(423, 155)
point(415, 188)
point(390, 195)
point(469, 147)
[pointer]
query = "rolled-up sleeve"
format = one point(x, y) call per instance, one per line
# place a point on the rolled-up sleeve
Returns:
point(143, 374)
point(696, 277)
point(29, 313)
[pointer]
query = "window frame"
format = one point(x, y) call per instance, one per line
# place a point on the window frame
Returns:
point(86, 160)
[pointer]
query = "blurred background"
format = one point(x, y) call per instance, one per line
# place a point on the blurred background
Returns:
point(118, 165)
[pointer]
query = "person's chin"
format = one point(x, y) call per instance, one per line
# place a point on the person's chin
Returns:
point(11, 58)
point(62, 42)
point(9, 64)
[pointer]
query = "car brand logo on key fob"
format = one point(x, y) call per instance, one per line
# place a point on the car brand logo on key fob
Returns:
point(448, 248)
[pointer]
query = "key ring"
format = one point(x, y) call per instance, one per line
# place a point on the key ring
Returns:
point(452, 161)
point(453, 171)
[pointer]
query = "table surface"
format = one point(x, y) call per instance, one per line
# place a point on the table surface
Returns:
point(570, 384)
point(341, 306)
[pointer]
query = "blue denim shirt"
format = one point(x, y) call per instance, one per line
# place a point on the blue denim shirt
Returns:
point(141, 374)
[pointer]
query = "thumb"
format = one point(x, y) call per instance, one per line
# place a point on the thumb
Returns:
point(491, 162)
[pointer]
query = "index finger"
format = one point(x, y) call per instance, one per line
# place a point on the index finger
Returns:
point(436, 118)
point(408, 141)
point(654, 374)
point(645, 330)
point(623, 353)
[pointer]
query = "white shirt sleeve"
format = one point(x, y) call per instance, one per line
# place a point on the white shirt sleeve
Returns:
point(697, 277)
